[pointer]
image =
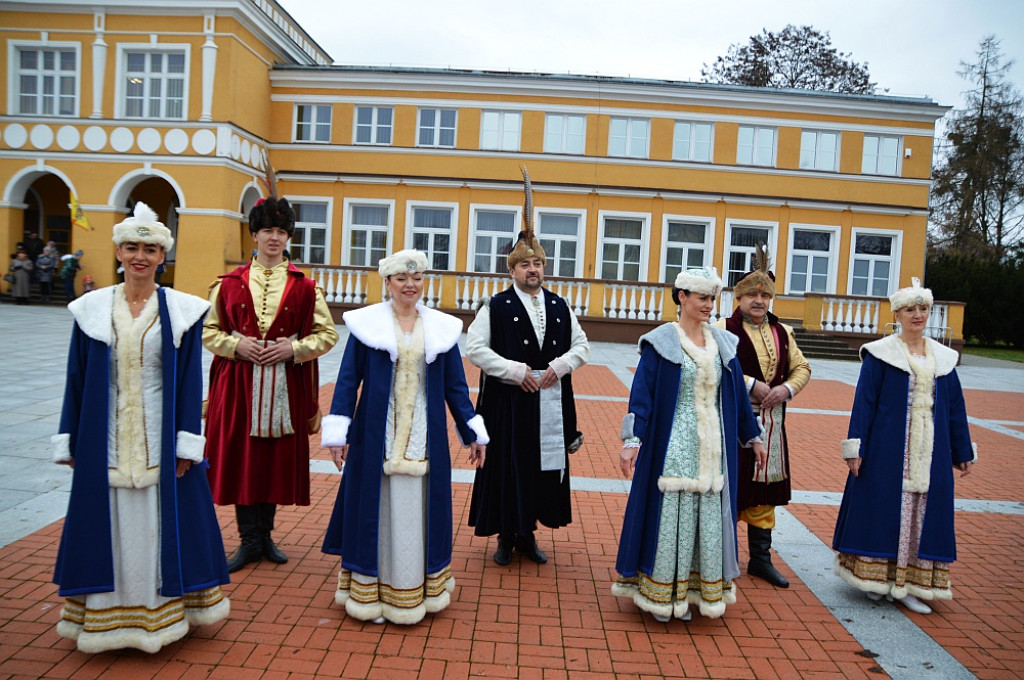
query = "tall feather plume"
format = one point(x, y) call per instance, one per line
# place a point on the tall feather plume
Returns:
point(761, 262)
point(269, 181)
point(527, 206)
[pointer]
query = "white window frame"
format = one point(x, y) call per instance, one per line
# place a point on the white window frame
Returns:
point(754, 158)
point(645, 239)
point(120, 103)
point(318, 200)
point(689, 155)
point(14, 49)
point(895, 257)
point(581, 235)
point(773, 244)
point(630, 122)
point(375, 125)
point(563, 137)
point(474, 210)
point(832, 254)
point(709, 240)
point(314, 122)
point(453, 229)
point(875, 171)
point(347, 226)
point(503, 117)
point(818, 164)
point(437, 127)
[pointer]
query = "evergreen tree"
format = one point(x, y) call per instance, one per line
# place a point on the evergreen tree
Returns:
point(978, 183)
point(797, 57)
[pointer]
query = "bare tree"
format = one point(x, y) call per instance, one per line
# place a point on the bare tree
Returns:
point(798, 57)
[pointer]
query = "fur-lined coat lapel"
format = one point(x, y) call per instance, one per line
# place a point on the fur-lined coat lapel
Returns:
point(94, 313)
point(374, 326)
point(888, 350)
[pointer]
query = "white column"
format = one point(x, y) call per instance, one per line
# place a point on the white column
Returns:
point(209, 68)
point(99, 66)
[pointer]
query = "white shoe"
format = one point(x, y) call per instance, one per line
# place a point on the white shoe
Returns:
point(875, 597)
point(661, 618)
point(915, 605)
point(379, 620)
point(687, 616)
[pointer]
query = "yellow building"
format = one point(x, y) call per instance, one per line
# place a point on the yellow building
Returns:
point(183, 104)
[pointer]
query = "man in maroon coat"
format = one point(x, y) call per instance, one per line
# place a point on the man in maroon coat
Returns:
point(267, 326)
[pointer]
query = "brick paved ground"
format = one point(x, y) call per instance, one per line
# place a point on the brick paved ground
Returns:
point(560, 621)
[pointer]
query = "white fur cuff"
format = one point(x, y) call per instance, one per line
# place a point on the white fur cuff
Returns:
point(60, 447)
point(851, 448)
point(476, 423)
point(190, 446)
point(334, 430)
point(628, 431)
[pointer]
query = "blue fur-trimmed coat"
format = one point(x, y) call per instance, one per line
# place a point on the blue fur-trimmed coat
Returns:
point(369, 361)
point(869, 516)
point(652, 405)
point(191, 550)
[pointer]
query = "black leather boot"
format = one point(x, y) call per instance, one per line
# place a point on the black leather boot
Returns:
point(270, 551)
point(247, 517)
point(503, 555)
point(527, 545)
point(760, 565)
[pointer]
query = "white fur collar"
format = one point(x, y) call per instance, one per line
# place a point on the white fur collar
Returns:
point(94, 313)
point(665, 342)
point(888, 350)
point(374, 326)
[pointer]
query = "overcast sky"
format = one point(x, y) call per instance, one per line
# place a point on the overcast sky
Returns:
point(913, 47)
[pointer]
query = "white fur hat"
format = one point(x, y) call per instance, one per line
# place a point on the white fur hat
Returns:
point(143, 227)
point(703, 280)
point(914, 294)
point(403, 262)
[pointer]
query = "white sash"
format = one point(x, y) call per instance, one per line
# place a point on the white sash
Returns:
point(552, 433)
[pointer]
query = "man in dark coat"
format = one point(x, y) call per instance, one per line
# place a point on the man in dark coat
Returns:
point(774, 370)
point(526, 342)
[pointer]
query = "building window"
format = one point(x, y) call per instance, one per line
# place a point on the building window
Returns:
point(432, 234)
point(373, 124)
point(309, 242)
point(819, 150)
point(154, 84)
point(621, 248)
point(560, 236)
point(811, 261)
point(564, 133)
point(437, 128)
point(692, 141)
point(874, 258)
point(312, 123)
point(47, 81)
point(756, 146)
point(628, 137)
point(492, 239)
point(744, 240)
point(499, 130)
point(367, 240)
point(881, 155)
point(686, 246)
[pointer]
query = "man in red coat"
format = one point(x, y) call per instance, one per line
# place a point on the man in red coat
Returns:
point(267, 326)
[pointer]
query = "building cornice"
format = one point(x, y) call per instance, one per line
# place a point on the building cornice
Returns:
point(606, 89)
point(266, 18)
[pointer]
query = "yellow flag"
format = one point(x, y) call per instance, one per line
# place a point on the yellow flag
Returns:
point(78, 217)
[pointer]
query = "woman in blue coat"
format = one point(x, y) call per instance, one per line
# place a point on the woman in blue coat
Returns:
point(140, 557)
point(688, 412)
point(908, 430)
point(392, 521)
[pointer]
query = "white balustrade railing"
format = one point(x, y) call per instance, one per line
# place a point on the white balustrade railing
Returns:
point(470, 289)
point(634, 301)
point(342, 285)
point(723, 306)
point(849, 315)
